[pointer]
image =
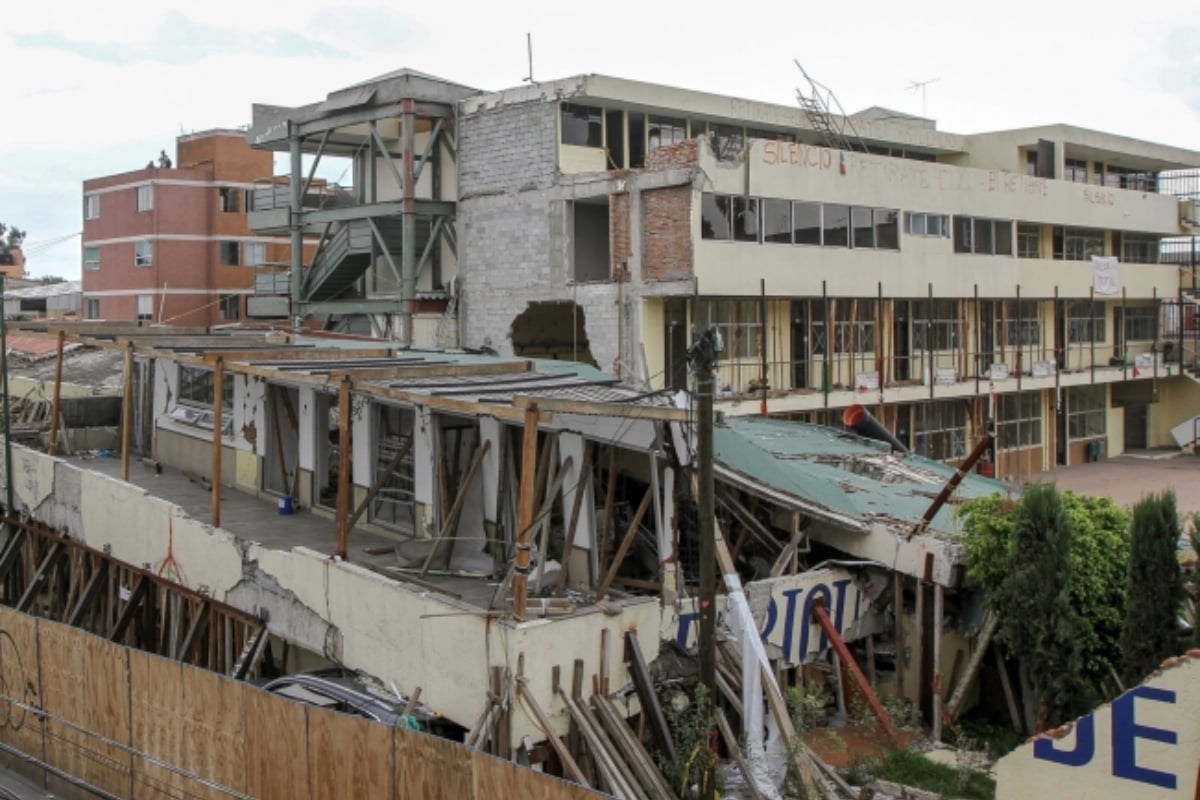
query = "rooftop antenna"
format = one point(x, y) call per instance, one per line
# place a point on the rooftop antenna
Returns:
point(827, 116)
point(529, 49)
point(915, 85)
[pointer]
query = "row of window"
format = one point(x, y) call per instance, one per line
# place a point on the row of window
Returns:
point(230, 304)
point(230, 200)
point(935, 325)
point(247, 254)
point(767, 220)
point(1101, 174)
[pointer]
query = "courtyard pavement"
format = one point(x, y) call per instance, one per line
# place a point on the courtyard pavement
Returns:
point(1128, 477)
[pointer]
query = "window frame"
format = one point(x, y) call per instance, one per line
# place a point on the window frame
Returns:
point(1137, 322)
point(229, 253)
point(146, 259)
point(942, 320)
point(254, 254)
point(91, 308)
point(91, 206)
point(1018, 421)
point(143, 198)
point(1085, 317)
point(227, 193)
point(91, 264)
point(739, 322)
point(939, 430)
point(225, 301)
point(1087, 412)
point(1026, 232)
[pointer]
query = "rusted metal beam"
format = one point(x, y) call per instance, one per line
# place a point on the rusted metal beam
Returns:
point(982, 447)
point(217, 437)
point(821, 617)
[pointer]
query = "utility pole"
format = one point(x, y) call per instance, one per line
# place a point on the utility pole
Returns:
point(703, 356)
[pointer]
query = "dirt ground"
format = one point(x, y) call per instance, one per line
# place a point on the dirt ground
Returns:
point(1127, 478)
point(838, 747)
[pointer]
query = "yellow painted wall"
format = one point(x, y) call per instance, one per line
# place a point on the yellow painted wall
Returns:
point(1178, 400)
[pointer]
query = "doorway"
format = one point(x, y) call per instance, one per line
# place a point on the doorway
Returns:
point(1136, 418)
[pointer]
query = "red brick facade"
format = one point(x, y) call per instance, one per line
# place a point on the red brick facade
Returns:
point(195, 229)
point(667, 233)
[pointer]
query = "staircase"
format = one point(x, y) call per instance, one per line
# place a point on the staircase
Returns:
point(347, 255)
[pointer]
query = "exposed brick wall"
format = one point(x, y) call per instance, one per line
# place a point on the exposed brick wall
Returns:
point(618, 231)
point(683, 154)
point(666, 233)
point(513, 148)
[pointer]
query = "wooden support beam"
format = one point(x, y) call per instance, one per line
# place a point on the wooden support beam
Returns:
point(618, 781)
point(821, 617)
point(251, 654)
point(582, 488)
point(195, 630)
point(12, 552)
point(626, 543)
point(451, 521)
point(982, 642)
point(277, 434)
point(898, 622)
point(644, 770)
point(621, 410)
point(343, 484)
point(731, 744)
point(217, 439)
point(35, 582)
point(1010, 698)
point(127, 413)
point(610, 499)
point(525, 512)
point(938, 622)
point(88, 596)
point(547, 727)
point(136, 596)
point(52, 445)
point(644, 684)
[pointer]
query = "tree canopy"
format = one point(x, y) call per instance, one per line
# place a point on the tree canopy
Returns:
point(11, 236)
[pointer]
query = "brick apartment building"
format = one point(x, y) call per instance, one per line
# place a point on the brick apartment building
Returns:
point(171, 244)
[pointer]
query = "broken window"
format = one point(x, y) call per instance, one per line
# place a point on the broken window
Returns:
point(714, 216)
point(196, 387)
point(727, 141)
point(663, 131)
point(777, 221)
point(806, 222)
point(614, 138)
point(582, 126)
point(229, 254)
point(590, 241)
point(229, 199)
point(1018, 420)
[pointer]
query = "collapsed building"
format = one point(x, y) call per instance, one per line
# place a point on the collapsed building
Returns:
point(496, 531)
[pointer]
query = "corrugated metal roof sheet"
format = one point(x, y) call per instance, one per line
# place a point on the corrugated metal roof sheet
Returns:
point(840, 472)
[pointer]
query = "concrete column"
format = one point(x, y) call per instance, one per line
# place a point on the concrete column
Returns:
point(490, 430)
point(362, 442)
point(306, 418)
point(423, 456)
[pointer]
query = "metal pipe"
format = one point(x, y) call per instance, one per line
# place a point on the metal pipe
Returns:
point(982, 447)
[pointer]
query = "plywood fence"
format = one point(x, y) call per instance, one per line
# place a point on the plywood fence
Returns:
point(137, 725)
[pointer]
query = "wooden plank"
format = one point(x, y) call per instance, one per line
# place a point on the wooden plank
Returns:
point(626, 543)
point(525, 512)
point(348, 756)
point(543, 722)
point(497, 778)
point(451, 521)
point(622, 410)
point(735, 752)
point(982, 641)
point(582, 488)
point(651, 709)
point(136, 596)
point(215, 726)
point(343, 483)
point(56, 408)
point(276, 746)
point(89, 594)
point(158, 726)
point(21, 684)
point(429, 767)
point(39, 577)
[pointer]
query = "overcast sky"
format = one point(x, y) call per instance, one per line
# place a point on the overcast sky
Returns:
point(98, 88)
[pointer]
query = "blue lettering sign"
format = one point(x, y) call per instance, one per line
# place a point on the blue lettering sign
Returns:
point(1125, 733)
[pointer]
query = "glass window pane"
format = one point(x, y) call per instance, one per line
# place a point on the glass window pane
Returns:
point(962, 235)
point(777, 221)
point(745, 219)
point(1004, 244)
point(581, 125)
point(836, 226)
point(864, 227)
point(983, 236)
point(887, 234)
point(714, 216)
point(806, 222)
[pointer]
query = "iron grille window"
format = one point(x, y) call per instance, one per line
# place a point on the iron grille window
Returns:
point(739, 323)
point(940, 431)
point(1086, 322)
point(1140, 324)
point(935, 326)
point(1029, 240)
point(1019, 323)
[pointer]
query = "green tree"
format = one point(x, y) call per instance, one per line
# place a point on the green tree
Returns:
point(10, 236)
point(1193, 588)
point(1155, 587)
point(1022, 555)
point(1099, 560)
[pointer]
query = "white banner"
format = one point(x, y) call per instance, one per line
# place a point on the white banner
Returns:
point(1104, 275)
